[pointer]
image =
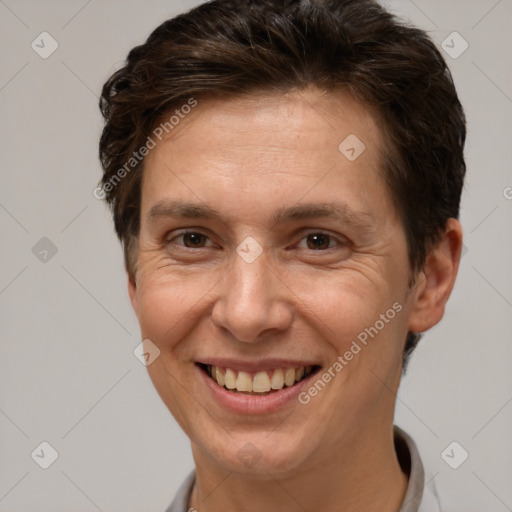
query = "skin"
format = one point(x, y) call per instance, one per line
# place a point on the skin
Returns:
point(246, 158)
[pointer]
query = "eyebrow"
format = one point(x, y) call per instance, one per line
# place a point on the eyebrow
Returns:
point(338, 211)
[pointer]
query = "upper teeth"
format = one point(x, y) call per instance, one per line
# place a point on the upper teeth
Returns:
point(262, 382)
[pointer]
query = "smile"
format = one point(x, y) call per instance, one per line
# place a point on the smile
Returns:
point(257, 383)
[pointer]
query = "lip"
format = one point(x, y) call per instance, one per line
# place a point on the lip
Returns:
point(253, 366)
point(252, 404)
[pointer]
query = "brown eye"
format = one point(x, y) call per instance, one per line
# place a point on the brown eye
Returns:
point(189, 240)
point(318, 241)
point(193, 240)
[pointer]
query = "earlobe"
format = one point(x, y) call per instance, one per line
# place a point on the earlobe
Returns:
point(439, 273)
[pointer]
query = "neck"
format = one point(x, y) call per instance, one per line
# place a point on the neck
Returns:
point(364, 474)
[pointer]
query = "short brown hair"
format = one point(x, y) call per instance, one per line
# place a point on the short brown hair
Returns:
point(228, 48)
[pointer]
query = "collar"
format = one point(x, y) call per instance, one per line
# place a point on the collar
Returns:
point(420, 495)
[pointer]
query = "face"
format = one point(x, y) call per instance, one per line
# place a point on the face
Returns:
point(267, 254)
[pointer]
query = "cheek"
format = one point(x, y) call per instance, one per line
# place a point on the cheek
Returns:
point(365, 327)
point(361, 317)
point(168, 304)
point(345, 303)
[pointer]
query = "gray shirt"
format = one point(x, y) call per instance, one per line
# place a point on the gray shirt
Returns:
point(420, 495)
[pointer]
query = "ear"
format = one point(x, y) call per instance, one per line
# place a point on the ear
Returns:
point(435, 283)
point(132, 292)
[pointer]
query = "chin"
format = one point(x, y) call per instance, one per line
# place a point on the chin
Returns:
point(258, 454)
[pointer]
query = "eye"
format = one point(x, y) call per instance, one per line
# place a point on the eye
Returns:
point(319, 241)
point(191, 240)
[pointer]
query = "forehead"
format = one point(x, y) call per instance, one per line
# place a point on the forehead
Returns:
point(268, 149)
point(277, 120)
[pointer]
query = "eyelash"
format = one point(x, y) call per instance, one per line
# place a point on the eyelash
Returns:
point(341, 243)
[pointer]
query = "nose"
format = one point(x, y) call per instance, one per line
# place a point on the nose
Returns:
point(253, 301)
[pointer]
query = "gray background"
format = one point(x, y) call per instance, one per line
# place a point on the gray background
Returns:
point(68, 374)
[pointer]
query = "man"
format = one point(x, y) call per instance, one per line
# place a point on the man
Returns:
point(285, 178)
